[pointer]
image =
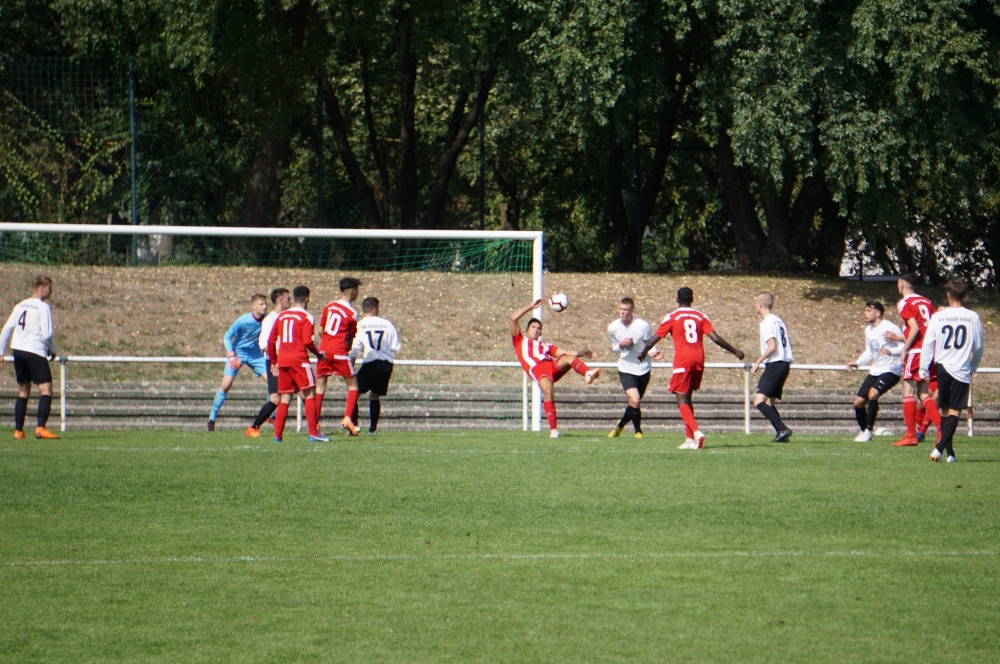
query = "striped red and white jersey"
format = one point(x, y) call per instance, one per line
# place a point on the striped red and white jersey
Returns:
point(530, 353)
point(338, 324)
point(293, 330)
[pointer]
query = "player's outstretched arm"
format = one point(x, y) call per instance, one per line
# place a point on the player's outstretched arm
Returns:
point(648, 346)
point(515, 318)
point(725, 345)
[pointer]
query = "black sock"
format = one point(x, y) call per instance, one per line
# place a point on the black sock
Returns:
point(374, 410)
point(872, 414)
point(626, 417)
point(949, 425)
point(354, 415)
point(20, 413)
point(265, 412)
point(45, 409)
point(862, 417)
point(637, 418)
point(771, 413)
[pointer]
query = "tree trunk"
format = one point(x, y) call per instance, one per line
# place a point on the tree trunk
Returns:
point(624, 249)
point(748, 236)
point(406, 84)
point(259, 204)
point(513, 199)
point(383, 169)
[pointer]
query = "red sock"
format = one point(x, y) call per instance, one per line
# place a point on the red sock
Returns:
point(687, 414)
point(910, 415)
point(280, 415)
point(319, 406)
point(352, 401)
point(932, 412)
point(921, 416)
point(687, 431)
point(550, 413)
point(311, 419)
point(579, 366)
point(925, 422)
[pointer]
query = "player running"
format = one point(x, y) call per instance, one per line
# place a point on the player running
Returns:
point(377, 343)
point(886, 368)
point(687, 327)
point(953, 341)
point(291, 338)
point(281, 299)
point(545, 363)
point(29, 331)
point(628, 335)
point(776, 358)
point(916, 311)
point(242, 342)
point(338, 324)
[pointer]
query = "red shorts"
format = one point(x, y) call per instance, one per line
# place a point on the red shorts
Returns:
point(547, 369)
point(338, 365)
point(685, 380)
point(295, 379)
point(911, 367)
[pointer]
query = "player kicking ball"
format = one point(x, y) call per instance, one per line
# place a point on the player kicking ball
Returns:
point(886, 368)
point(545, 363)
point(339, 323)
point(29, 331)
point(242, 342)
point(687, 327)
point(288, 350)
point(377, 343)
point(628, 337)
point(776, 358)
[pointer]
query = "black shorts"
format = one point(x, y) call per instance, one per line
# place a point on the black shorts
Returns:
point(374, 376)
point(272, 380)
point(883, 383)
point(638, 382)
point(772, 381)
point(30, 368)
point(952, 394)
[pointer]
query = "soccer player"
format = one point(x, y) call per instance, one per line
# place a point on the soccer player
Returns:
point(886, 369)
point(338, 324)
point(686, 327)
point(29, 331)
point(628, 335)
point(545, 363)
point(776, 358)
point(954, 342)
point(242, 347)
point(281, 299)
point(918, 401)
point(377, 343)
point(293, 331)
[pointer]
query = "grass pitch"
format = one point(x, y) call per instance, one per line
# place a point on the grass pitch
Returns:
point(496, 546)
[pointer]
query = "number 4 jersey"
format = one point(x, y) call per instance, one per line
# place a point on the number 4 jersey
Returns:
point(686, 327)
point(31, 327)
point(376, 340)
point(953, 340)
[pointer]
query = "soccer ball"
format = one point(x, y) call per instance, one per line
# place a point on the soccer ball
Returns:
point(558, 302)
point(882, 431)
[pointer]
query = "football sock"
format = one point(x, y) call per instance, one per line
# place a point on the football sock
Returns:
point(626, 417)
point(220, 398)
point(949, 425)
point(280, 415)
point(354, 414)
point(20, 413)
point(311, 419)
point(687, 414)
point(910, 415)
point(352, 401)
point(44, 409)
point(932, 412)
point(579, 366)
point(265, 412)
point(771, 413)
point(921, 414)
point(688, 433)
point(550, 413)
point(924, 422)
point(637, 418)
point(872, 414)
point(319, 405)
point(862, 417)
point(374, 410)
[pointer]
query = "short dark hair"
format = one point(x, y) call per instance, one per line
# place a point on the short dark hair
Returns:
point(876, 305)
point(347, 283)
point(530, 321)
point(957, 288)
point(685, 295)
point(41, 280)
point(369, 304)
point(627, 300)
point(276, 293)
point(910, 278)
point(300, 293)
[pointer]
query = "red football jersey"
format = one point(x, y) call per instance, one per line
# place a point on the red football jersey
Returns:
point(920, 308)
point(293, 330)
point(686, 327)
point(529, 353)
point(338, 324)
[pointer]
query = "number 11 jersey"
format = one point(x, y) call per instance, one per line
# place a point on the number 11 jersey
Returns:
point(686, 327)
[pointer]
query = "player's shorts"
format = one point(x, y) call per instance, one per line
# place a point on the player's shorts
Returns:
point(374, 377)
point(952, 394)
point(882, 383)
point(30, 368)
point(272, 380)
point(295, 379)
point(685, 380)
point(772, 381)
point(547, 369)
point(258, 364)
point(911, 367)
point(638, 382)
point(338, 365)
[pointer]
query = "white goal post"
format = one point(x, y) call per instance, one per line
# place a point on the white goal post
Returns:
point(318, 233)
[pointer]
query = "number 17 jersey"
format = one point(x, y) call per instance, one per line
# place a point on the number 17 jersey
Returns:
point(686, 327)
point(376, 340)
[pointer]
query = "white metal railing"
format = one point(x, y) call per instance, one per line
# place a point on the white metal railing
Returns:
point(525, 398)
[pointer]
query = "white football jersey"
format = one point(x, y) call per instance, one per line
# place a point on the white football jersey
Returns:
point(874, 342)
point(628, 361)
point(265, 330)
point(773, 327)
point(376, 340)
point(954, 339)
point(30, 325)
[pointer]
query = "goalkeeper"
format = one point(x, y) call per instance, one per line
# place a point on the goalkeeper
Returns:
point(241, 341)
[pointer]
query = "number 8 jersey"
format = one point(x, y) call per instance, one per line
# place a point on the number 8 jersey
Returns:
point(954, 340)
point(773, 327)
point(686, 327)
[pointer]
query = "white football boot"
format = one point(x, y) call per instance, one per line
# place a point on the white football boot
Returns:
point(592, 375)
point(952, 459)
point(864, 436)
point(554, 434)
point(935, 455)
point(689, 444)
point(699, 440)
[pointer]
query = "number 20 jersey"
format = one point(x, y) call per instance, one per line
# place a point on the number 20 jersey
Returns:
point(953, 340)
point(686, 327)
